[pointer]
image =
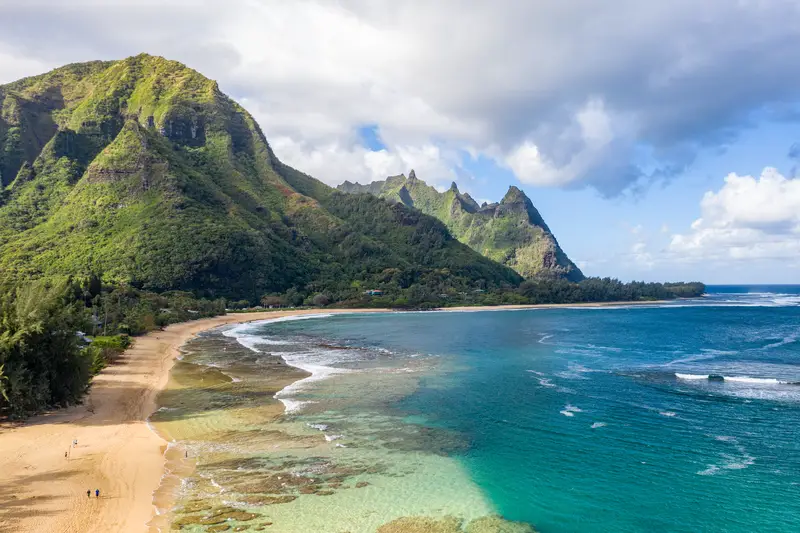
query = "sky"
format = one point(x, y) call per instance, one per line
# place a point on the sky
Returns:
point(659, 140)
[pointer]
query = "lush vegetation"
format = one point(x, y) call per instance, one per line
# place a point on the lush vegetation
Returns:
point(56, 333)
point(143, 170)
point(605, 290)
point(429, 295)
point(41, 363)
point(511, 232)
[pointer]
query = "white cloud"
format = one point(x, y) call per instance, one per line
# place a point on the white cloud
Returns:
point(334, 163)
point(564, 94)
point(746, 219)
point(593, 147)
point(641, 257)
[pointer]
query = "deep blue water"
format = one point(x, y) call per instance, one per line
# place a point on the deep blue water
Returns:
point(605, 419)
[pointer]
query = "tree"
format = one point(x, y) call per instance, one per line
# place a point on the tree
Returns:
point(293, 297)
point(270, 300)
point(320, 300)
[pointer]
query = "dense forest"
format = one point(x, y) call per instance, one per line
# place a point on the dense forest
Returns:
point(430, 292)
point(56, 333)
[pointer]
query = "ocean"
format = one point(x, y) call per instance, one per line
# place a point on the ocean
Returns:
point(681, 416)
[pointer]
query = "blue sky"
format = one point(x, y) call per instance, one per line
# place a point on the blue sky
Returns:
point(601, 233)
point(654, 137)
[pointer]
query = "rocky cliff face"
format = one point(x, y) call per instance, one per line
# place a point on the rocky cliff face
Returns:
point(511, 232)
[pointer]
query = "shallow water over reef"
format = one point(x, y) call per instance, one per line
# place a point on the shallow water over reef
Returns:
point(678, 417)
point(339, 459)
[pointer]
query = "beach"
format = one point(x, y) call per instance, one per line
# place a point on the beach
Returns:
point(117, 452)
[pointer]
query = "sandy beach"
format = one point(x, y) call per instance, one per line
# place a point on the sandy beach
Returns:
point(117, 453)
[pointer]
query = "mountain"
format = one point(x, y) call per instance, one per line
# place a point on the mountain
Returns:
point(144, 172)
point(511, 232)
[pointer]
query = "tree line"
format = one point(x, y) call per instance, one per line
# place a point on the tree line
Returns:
point(399, 291)
point(55, 334)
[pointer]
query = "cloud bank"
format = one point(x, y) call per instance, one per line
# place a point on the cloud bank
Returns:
point(747, 219)
point(606, 95)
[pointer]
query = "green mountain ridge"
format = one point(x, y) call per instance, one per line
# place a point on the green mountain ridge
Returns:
point(511, 232)
point(142, 170)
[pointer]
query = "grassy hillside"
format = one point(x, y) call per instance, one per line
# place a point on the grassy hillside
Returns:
point(511, 232)
point(142, 171)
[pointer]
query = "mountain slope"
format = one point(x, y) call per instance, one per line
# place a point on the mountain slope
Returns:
point(144, 171)
point(511, 232)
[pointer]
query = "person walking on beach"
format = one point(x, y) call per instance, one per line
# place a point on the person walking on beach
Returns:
point(89, 493)
point(97, 493)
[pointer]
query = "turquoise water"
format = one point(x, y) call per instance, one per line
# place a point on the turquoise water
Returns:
point(584, 419)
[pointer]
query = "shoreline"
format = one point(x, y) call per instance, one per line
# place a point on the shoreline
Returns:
point(42, 490)
point(46, 491)
point(588, 305)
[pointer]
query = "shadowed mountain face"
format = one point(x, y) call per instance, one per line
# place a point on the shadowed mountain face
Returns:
point(511, 232)
point(143, 171)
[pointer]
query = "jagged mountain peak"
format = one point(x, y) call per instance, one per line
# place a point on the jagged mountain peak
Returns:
point(511, 232)
point(514, 195)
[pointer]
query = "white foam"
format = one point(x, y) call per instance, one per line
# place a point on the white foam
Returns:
point(546, 382)
point(574, 370)
point(714, 351)
point(291, 406)
point(570, 410)
point(544, 338)
point(246, 339)
point(315, 362)
point(321, 427)
point(707, 354)
point(691, 376)
point(789, 339)
point(782, 300)
point(734, 379)
point(710, 471)
point(666, 413)
point(598, 425)
point(331, 438)
point(747, 379)
point(604, 348)
point(730, 461)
